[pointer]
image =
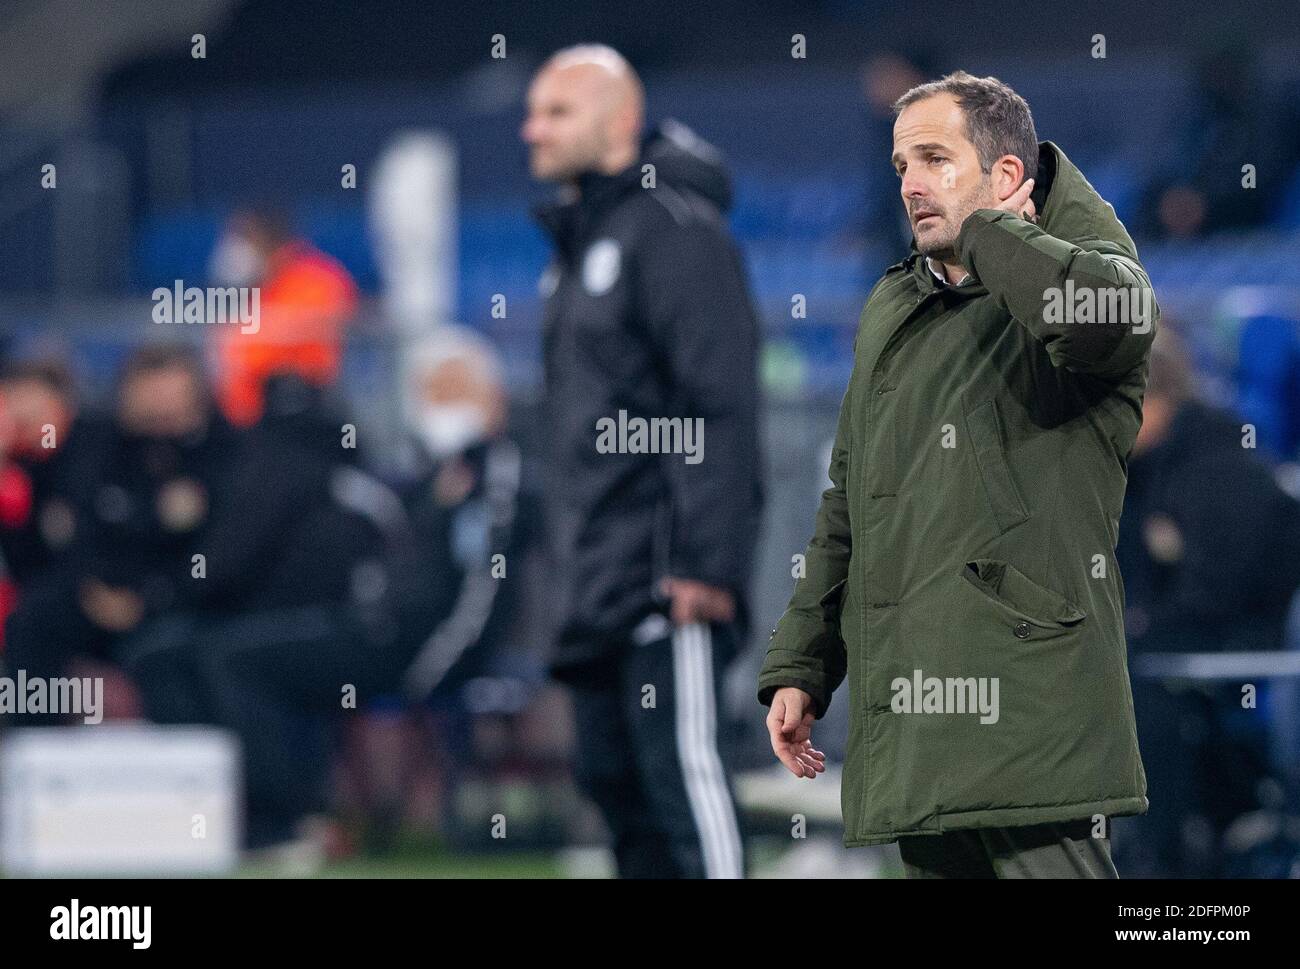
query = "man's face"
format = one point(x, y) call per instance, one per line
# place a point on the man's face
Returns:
point(939, 171)
point(32, 406)
point(241, 254)
point(457, 406)
point(162, 403)
point(567, 128)
point(1157, 414)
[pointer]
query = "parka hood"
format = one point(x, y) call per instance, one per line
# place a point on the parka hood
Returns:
point(1070, 208)
point(683, 159)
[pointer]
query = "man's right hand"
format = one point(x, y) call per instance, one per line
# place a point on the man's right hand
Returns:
point(789, 722)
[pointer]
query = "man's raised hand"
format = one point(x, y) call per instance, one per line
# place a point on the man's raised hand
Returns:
point(1019, 204)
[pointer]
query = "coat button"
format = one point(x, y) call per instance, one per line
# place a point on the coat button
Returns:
point(1021, 630)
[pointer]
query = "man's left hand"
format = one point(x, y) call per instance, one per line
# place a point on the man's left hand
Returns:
point(698, 602)
point(116, 610)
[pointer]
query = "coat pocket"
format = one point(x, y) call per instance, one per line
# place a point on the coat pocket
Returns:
point(1020, 596)
point(985, 430)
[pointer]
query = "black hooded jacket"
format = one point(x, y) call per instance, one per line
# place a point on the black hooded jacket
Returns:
point(1209, 544)
point(648, 313)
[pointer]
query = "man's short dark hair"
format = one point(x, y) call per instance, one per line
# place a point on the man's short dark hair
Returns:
point(153, 358)
point(52, 373)
point(998, 121)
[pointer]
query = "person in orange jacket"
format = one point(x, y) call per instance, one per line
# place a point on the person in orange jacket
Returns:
point(306, 299)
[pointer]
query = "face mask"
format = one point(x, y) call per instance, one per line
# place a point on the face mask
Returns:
point(236, 262)
point(449, 429)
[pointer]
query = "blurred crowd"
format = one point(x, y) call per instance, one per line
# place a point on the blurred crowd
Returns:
point(212, 542)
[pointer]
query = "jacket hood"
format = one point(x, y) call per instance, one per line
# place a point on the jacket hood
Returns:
point(683, 159)
point(1068, 208)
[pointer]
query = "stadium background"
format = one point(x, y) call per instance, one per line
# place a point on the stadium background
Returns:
point(155, 148)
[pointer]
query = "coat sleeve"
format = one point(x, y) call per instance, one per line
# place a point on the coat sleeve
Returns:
point(806, 649)
point(1022, 267)
point(696, 305)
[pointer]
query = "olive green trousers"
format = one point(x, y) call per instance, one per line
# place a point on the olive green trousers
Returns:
point(1060, 850)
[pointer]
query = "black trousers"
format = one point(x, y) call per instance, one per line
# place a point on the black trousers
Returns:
point(648, 752)
point(274, 678)
point(44, 634)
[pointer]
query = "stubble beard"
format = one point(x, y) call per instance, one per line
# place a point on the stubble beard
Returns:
point(943, 247)
point(575, 161)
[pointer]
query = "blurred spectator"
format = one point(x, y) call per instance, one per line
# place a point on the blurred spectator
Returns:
point(886, 77)
point(461, 501)
point(1232, 123)
point(59, 451)
point(287, 623)
point(306, 299)
point(1209, 548)
point(1209, 544)
point(467, 534)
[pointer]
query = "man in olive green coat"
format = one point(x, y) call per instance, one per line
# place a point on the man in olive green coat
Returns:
point(962, 575)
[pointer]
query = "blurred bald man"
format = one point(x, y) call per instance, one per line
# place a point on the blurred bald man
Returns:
point(648, 319)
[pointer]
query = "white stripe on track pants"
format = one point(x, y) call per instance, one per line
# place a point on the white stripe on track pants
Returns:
point(649, 758)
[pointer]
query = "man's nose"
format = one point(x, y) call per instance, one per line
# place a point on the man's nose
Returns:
point(913, 186)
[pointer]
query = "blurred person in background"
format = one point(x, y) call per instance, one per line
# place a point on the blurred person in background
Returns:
point(1233, 122)
point(647, 315)
point(461, 499)
point(285, 623)
point(886, 77)
point(306, 299)
point(147, 493)
point(1208, 544)
point(1209, 549)
point(464, 563)
point(58, 449)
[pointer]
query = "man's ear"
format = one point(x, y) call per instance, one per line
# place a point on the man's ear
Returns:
point(1008, 174)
